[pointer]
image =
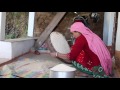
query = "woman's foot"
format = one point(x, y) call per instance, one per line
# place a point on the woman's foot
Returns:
point(80, 74)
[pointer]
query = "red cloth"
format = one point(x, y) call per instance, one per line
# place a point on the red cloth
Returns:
point(81, 53)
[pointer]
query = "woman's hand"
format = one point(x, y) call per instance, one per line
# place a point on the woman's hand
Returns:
point(63, 57)
point(53, 54)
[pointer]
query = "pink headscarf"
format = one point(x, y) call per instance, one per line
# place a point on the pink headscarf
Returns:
point(96, 45)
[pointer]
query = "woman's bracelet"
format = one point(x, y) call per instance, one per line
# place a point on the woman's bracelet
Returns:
point(56, 54)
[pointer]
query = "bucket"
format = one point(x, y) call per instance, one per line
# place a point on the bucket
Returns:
point(62, 71)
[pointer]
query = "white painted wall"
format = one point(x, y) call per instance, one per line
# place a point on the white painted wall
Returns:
point(118, 34)
point(21, 47)
point(108, 27)
point(10, 50)
point(2, 25)
point(31, 24)
point(5, 49)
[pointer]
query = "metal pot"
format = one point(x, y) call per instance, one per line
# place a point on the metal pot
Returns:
point(62, 74)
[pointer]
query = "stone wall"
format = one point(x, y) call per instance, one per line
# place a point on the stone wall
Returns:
point(42, 19)
point(16, 25)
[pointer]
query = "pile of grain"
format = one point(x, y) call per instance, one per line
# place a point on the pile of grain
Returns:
point(63, 67)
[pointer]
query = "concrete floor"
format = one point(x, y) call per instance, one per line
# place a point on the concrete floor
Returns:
point(39, 65)
point(2, 60)
point(34, 66)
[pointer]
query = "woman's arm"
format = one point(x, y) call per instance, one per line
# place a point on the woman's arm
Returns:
point(61, 56)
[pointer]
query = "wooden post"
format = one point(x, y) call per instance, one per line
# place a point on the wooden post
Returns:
point(49, 29)
point(2, 25)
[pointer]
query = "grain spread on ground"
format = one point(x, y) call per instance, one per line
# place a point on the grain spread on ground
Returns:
point(63, 67)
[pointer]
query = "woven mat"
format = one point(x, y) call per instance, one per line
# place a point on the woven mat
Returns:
point(30, 66)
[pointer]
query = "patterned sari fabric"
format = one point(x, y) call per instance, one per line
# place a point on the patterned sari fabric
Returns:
point(87, 66)
point(95, 44)
point(96, 72)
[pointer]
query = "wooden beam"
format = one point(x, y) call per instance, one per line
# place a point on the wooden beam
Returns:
point(49, 44)
point(49, 29)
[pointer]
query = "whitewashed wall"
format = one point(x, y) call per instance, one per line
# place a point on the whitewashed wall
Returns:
point(108, 27)
point(10, 50)
point(118, 34)
point(2, 25)
point(5, 50)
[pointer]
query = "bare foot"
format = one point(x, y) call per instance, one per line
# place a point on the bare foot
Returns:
point(78, 73)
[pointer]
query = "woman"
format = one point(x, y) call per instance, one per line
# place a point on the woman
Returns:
point(89, 54)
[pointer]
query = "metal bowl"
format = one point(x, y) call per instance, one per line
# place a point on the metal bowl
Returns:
point(62, 74)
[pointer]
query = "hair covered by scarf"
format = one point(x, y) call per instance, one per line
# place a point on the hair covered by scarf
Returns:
point(96, 45)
